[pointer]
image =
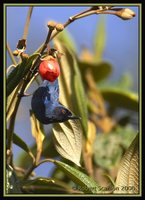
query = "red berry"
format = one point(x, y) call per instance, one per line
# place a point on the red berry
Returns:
point(49, 69)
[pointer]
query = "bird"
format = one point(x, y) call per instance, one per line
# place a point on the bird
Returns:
point(46, 106)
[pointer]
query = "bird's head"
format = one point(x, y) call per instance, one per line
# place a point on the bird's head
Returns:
point(62, 114)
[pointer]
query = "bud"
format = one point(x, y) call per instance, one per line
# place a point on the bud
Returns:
point(101, 7)
point(51, 24)
point(15, 52)
point(59, 27)
point(125, 14)
point(24, 56)
point(55, 53)
point(21, 46)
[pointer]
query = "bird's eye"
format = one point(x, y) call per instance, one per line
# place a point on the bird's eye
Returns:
point(63, 111)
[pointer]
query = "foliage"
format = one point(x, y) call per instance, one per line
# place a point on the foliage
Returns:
point(94, 144)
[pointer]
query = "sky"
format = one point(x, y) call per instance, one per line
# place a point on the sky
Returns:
point(121, 48)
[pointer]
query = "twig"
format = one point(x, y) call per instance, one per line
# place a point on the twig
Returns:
point(35, 165)
point(45, 160)
point(12, 100)
point(27, 22)
point(29, 172)
point(85, 13)
point(10, 132)
point(34, 67)
point(21, 170)
point(69, 21)
point(11, 54)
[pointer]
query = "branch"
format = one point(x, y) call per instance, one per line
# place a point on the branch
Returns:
point(27, 23)
point(11, 54)
point(35, 165)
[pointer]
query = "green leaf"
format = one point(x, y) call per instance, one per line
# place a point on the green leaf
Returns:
point(12, 182)
point(109, 148)
point(100, 71)
point(119, 98)
point(18, 73)
point(43, 185)
point(100, 39)
point(66, 38)
point(125, 81)
point(48, 151)
point(11, 101)
point(72, 92)
point(126, 134)
point(60, 175)
point(19, 142)
point(47, 145)
point(68, 140)
point(107, 151)
point(11, 54)
point(10, 68)
point(128, 175)
point(109, 180)
point(15, 77)
point(87, 184)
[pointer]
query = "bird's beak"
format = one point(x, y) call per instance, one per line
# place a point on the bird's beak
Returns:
point(74, 117)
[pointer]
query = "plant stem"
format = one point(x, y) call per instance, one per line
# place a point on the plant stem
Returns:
point(14, 94)
point(34, 67)
point(11, 130)
point(35, 165)
point(45, 160)
point(29, 171)
point(27, 23)
point(69, 21)
point(85, 13)
point(11, 54)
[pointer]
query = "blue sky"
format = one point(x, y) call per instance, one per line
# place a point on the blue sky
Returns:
point(121, 48)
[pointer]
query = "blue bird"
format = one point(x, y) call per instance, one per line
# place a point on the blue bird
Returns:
point(45, 104)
